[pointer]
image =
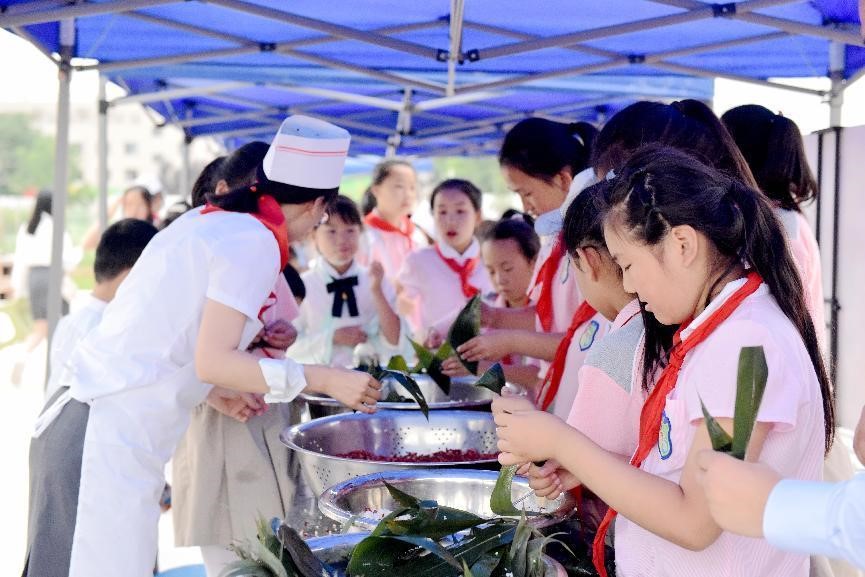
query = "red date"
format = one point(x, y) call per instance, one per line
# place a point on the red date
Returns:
point(446, 456)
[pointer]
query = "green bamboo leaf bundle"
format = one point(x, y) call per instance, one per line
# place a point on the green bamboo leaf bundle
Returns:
point(752, 376)
point(466, 327)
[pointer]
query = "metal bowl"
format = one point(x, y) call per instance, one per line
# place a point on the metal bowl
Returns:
point(463, 395)
point(365, 500)
point(335, 550)
point(386, 433)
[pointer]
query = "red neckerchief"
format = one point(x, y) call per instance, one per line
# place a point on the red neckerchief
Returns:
point(270, 215)
point(653, 408)
point(553, 379)
point(464, 271)
point(546, 277)
point(406, 230)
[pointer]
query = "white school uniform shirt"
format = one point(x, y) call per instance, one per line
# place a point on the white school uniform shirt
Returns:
point(33, 250)
point(792, 404)
point(136, 371)
point(815, 518)
point(316, 324)
point(389, 248)
point(70, 331)
point(431, 292)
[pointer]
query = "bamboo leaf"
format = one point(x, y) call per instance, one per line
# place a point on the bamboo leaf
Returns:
point(489, 563)
point(431, 546)
point(243, 568)
point(466, 327)
point(493, 379)
point(305, 562)
point(445, 352)
point(424, 356)
point(271, 561)
point(466, 571)
point(501, 502)
point(518, 555)
point(721, 440)
point(401, 497)
point(410, 385)
point(752, 377)
point(376, 557)
point(443, 522)
point(397, 363)
point(470, 549)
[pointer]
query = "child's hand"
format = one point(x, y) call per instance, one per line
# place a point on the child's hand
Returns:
point(551, 480)
point(452, 367)
point(493, 347)
point(376, 275)
point(488, 315)
point(237, 405)
point(279, 334)
point(349, 336)
point(354, 389)
point(525, 433)
point(736, 491)
point(433, 339)
point(859, 438)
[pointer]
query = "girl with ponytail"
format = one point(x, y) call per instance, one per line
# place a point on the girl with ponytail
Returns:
point(541, 161)
point(706, 252)
point(773, 147)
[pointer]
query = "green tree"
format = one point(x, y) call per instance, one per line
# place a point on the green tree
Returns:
point(27, 156)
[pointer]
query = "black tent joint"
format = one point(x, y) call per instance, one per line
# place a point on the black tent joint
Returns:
point(723, 10)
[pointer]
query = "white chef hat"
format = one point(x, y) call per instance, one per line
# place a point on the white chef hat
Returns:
point(304, 161)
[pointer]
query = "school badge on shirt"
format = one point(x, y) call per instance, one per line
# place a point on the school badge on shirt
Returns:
point(665, 441)
point(587, 339)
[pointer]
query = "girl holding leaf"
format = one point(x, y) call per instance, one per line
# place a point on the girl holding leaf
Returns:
point(706, 253)
point(436, 282)
point(541, 161)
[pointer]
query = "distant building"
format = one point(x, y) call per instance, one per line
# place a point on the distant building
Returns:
point(139, 152)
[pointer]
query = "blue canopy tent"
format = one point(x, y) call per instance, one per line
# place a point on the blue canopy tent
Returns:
point(424, 78)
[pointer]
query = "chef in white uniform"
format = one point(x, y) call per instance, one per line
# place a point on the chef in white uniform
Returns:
point(184, 316)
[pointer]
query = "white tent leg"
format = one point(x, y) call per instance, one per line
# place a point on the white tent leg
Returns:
point(61, 159)
point(837, 57)
point(186, 168)
point(103, 155)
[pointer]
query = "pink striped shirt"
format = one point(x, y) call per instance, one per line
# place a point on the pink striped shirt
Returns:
point(794, 447)
point(806, 253)
point(567, 296)
point(610, 394)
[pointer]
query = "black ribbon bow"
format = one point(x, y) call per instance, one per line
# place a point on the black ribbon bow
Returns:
point(343, 292)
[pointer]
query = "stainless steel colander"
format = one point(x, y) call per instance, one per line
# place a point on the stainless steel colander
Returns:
point(386, 433)
point(365, 500)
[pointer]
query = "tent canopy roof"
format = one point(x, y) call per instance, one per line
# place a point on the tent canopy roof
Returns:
point(437, 77)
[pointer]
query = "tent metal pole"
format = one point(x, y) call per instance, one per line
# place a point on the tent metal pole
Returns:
point(23, 33)
point(103, 154)
point(690, 70)
point(456, 42)
point(330, 28)
point(61, 168)
point(283, 48)
point(171, 94)
point(837, 64)
point(704, 12)
point(70, 11)
point(186, 168)
point(801, 28)
point(340, 96)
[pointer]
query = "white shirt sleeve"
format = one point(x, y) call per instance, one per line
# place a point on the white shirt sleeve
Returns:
point(242, 272)
point(818, 518)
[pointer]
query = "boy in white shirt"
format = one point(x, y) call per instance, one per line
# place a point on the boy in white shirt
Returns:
point(119, 247)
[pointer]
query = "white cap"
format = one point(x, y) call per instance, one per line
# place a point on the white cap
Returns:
point(307, 152)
